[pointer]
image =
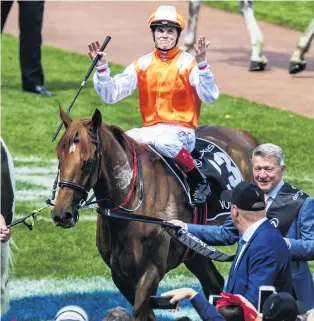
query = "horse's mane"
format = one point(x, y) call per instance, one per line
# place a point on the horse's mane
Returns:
point(129, 143)
point(126, 141)
point(77, 128)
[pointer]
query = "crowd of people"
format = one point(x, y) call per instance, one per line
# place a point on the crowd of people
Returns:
point(271, 220)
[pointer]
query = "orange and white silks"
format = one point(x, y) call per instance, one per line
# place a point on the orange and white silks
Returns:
point(165, 93)
point(171, 87)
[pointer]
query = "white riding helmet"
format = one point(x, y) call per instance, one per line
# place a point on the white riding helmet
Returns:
point(167, 16)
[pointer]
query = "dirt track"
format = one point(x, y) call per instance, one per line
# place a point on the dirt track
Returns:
point(71, 25)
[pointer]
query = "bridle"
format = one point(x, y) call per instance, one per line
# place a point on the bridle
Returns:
point(108, 203)
point(96, 161)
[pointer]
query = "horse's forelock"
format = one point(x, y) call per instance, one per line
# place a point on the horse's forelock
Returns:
point(82, 129)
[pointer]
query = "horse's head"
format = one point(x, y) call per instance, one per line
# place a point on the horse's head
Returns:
point(79, 165)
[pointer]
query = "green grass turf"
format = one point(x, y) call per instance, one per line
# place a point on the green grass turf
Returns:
point(292, 14)
point(29, 121)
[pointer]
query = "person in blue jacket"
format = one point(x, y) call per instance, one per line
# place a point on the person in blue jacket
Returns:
point(289, 209)
point(262, 257)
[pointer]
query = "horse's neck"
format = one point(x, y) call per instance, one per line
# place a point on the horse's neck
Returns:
point(117, 172)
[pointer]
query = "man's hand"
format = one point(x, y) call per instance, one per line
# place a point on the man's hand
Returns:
point(200, 48)
point(93, 52)
point(5, 234)
point(179, 294)
point(177, 223)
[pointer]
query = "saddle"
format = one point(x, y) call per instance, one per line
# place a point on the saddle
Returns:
point(221, 172)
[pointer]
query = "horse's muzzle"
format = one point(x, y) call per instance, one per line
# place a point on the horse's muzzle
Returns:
point(66, 219)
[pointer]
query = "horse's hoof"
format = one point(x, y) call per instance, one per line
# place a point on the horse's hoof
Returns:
point(296, 67)
point(257, 66)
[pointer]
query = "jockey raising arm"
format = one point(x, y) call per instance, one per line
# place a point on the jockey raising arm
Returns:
point(172, 85)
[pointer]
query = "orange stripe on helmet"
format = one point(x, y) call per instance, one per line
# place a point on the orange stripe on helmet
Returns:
point(167, 13)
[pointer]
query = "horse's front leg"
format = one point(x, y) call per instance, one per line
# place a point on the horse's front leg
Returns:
point(153, 267)
point(146, 287)
point(258, 60)
point(190, 32)
point(297, 61)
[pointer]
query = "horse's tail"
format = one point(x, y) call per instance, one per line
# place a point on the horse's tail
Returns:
point(6, 262)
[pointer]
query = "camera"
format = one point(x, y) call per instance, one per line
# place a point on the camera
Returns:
point(161, 302)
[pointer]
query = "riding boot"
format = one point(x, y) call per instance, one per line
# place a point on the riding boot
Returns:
point(199, 186)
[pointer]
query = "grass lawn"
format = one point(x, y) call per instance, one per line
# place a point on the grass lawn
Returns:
point(29, 121)
point(292, 14)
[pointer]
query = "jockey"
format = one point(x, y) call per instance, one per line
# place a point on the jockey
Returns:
point(172, 85)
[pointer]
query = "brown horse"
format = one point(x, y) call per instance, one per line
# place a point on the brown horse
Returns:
point(97, 156)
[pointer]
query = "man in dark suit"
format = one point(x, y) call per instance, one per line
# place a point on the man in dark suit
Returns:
point(30, 22)
point(262, 257)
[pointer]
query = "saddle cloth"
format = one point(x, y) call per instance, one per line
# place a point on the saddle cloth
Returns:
point(221, 171)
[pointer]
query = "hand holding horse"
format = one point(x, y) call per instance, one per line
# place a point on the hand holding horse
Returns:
point(5, 232)
point(94, 51)
point(179, 294)
point(177, 223)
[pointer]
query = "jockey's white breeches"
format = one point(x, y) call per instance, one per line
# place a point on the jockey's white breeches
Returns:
point(168, 139)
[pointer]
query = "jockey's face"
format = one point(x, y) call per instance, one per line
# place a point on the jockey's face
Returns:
point(165, 37)
point(267, 173)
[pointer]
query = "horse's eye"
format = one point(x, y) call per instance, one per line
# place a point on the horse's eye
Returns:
point(76, 140)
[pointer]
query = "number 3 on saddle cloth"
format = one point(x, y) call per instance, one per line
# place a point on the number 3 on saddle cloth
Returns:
point(221, 172)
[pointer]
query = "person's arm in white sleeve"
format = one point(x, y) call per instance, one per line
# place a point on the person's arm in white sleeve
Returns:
point(203, 80)
point(114, 89)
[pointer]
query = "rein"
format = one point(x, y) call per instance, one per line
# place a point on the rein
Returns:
point(182, 235)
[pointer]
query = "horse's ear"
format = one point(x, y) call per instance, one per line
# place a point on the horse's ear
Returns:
point(64, 116)
point(96, 120)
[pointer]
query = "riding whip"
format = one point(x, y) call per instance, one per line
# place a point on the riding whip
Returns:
point(102, 48)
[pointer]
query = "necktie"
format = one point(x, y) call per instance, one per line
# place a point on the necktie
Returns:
point(232, 275)
point(268, 200)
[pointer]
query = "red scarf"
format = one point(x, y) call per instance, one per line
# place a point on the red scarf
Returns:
point(233, 299)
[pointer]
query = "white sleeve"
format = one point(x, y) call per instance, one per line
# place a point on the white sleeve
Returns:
point(204, 83)
point(114, 89)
